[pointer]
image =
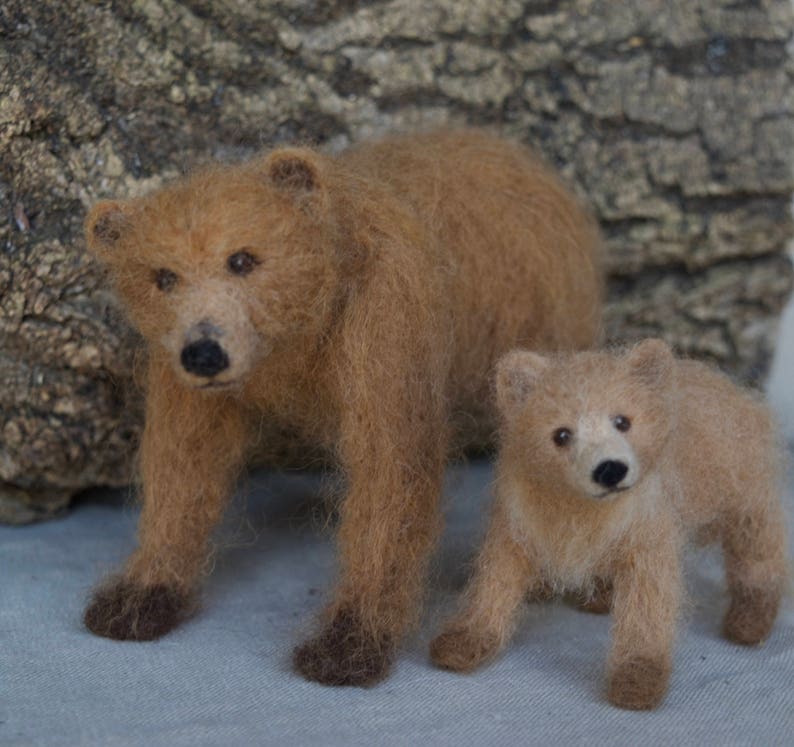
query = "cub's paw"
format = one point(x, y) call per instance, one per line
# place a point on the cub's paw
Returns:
point(344, 653)
point(462, 650)
point(598, 600)
point(128, 612)
point(751, 615)
point(638, 684)
point(540, 592)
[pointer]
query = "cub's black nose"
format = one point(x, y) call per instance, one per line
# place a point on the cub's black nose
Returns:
point(204, 358)
point(609, 473)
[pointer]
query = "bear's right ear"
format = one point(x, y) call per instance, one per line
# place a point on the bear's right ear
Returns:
point(517, 373)
point(295, 172)
point(651, 363)
point(105, 226)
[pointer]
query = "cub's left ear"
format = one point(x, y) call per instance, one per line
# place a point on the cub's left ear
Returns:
point(517, 374)
point(295, 171)
point(652, 363)
point(105, 227)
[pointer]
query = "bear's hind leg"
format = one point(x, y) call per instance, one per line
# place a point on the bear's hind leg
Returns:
point(754, 546)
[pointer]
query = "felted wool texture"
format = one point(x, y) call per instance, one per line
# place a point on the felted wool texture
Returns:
point(361, 301)
point(704, 463)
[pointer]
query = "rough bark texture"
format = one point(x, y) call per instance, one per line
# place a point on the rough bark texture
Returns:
point(675, 118)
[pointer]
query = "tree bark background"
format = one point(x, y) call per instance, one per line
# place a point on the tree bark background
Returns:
point(674, 118)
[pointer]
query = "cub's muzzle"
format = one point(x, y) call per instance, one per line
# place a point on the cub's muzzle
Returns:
point(609, 473)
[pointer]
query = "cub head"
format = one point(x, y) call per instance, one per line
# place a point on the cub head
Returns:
point(222, 269)
point(588, 424)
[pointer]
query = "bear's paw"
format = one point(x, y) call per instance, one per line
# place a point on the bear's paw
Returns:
point(128, 612)
point(344, 653)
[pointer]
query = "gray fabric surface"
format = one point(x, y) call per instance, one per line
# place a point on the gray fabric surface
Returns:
point(224, 678)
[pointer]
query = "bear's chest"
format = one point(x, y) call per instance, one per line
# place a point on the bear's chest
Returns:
point(305, 407)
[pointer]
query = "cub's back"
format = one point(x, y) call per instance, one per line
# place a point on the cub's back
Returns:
point(726, 444)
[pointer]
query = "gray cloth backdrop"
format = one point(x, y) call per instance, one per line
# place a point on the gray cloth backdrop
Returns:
point(225, 679)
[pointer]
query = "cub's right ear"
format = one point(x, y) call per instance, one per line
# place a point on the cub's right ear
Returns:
point(652, 363)
point(517, 374)
point(105, 226)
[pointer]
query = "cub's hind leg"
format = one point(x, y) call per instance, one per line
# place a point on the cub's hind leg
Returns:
point(754, 546)
point(598, 598)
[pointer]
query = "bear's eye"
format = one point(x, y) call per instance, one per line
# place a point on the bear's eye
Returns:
point(241, 263)
point(165, 279)
point(621, 422)
point(562, 436)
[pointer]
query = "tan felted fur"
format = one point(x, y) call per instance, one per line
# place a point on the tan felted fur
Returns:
point(360, 300)
point(609, 465)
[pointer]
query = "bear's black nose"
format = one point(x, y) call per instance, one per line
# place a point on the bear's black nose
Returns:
point(204, 358)
point(609, 473)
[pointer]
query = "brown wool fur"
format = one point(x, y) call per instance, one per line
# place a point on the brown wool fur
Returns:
point(382, 285)
point(703, 462)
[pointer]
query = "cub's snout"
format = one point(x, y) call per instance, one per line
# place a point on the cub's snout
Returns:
point(610, 473)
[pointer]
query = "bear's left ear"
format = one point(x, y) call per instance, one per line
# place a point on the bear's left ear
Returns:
point(652, 363)
point(517, 373)
point(295, 171)
point(105, 227)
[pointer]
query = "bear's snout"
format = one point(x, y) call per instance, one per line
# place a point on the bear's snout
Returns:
point(609, 473)
point(205, 357)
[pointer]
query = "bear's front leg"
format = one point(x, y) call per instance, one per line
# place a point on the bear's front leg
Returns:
point(647, 592)
point(192, 448)
point(393, 450)
point(389, 522)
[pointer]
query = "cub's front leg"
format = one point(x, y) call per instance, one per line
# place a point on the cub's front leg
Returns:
point(491, 602)
point(192, 448)
point(646, 601)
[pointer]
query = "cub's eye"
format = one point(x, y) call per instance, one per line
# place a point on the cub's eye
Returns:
point(165, 279)
point(562, 436)
point(241, 263)
point(621, 422)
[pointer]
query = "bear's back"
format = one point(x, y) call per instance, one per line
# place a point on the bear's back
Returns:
point(521, 255)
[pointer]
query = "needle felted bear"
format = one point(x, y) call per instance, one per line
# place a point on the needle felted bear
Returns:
point(608, 464)
point(360, 300)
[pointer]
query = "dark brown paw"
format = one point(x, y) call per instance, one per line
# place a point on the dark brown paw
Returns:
point(599, 600)
point(128, 612)
point(462, 650)
point(751, 615)
point(344, 654)
point(639, 684)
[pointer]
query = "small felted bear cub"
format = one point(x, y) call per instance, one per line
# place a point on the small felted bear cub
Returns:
point(608, 465)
